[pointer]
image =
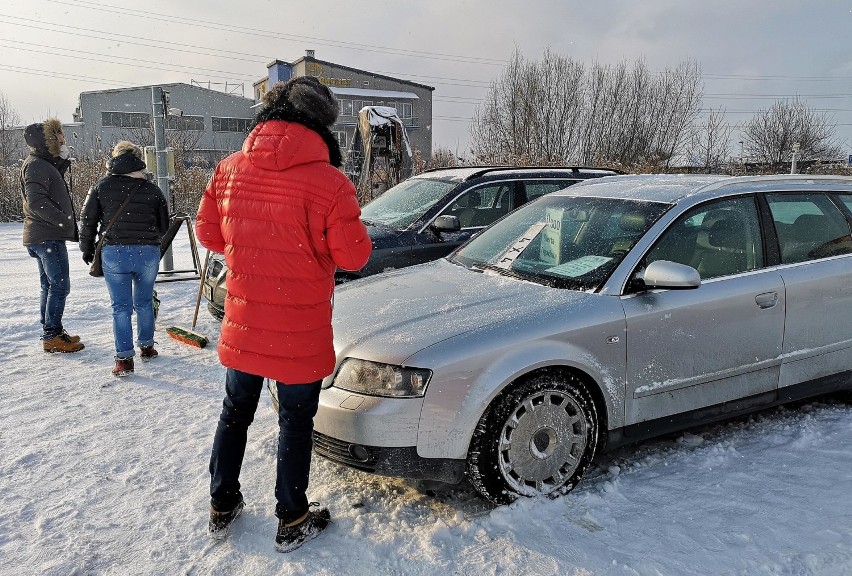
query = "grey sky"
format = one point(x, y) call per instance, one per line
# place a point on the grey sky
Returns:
point(751, 53)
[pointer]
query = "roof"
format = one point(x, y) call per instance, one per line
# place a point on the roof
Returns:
point(672, 188)
point(465, 172)
point(364, 92)
point(363, 72)
point(149, 86)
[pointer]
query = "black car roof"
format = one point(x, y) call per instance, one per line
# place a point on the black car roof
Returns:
point(465, 173)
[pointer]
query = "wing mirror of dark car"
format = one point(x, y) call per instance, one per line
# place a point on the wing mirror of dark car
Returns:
point(669, 275)
point(447, 223)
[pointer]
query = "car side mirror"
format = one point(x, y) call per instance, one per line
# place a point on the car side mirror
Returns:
point(670, 275)
point(447, 223)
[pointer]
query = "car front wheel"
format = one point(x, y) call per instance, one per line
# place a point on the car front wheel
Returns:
point(538, 438)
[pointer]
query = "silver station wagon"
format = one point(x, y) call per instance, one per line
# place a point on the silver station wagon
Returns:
point(618, 309)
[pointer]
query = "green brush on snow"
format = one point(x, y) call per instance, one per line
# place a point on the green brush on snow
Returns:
point(190, 336)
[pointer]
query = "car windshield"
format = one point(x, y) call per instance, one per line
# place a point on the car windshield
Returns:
point(406, 202)
point(564, 241)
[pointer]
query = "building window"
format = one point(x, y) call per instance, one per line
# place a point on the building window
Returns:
point(231, 124)
point(346, 107)
point(185, 123)
point(405, 112)
point(341, 139)
point(125, 120)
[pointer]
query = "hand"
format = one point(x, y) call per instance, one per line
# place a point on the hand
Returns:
point(88, 257)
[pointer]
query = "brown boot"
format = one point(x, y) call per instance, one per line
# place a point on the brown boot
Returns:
point(147, 352)
point(123, 366)
point(73, 339)
point(62, 343)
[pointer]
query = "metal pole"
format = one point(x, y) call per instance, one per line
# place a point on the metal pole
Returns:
point(158, 100)
point(793, 162)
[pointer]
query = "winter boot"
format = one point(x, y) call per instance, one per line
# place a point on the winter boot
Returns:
point(220, 522)
point(123, 366)
point(73, 339)
point(290, 537)
point(62, 343)
point(147, 352)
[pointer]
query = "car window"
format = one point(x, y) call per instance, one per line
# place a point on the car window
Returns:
point(482, 205)
point(538, 188)
point(717, 239)
point(562, 241)
point(405, 203)
point(847, 200)
point(809, 227)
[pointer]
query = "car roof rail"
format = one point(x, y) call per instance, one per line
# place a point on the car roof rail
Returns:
point(482, 170)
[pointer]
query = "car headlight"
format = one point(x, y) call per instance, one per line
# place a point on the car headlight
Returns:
point(377, 379)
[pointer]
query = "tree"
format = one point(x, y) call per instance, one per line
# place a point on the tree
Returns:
point(10, 144)
point(710, 142)
point(531, 114)
point(769, 136)
point(554, 111)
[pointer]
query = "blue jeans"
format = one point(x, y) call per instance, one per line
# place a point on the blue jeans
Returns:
point(130, 271)
point(297, 406)
point(52, 258)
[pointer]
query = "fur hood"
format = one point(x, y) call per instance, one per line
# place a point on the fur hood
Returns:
point(44, 138)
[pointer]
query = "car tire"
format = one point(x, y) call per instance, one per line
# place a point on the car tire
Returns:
point(537, 438)
point(215, 312)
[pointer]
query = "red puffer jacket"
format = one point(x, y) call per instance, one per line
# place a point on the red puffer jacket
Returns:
point(285, 219)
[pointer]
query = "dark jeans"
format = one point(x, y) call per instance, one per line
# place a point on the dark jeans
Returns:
point(297, 406)
point(52, 258)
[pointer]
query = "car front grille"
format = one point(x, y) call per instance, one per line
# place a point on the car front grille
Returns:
point(214, 267)
point(339, 451)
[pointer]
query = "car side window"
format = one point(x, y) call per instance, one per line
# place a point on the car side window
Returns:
point(847, 200)
point(809, 227)
point(482, 205)
point(718, 239)
point(537, 188)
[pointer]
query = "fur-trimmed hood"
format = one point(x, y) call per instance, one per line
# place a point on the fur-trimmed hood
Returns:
point(126, 159)
point(43, 138)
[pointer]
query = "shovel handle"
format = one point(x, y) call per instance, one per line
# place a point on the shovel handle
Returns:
point(200, 287)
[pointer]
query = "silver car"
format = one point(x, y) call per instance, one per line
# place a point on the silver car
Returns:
point(615, 310)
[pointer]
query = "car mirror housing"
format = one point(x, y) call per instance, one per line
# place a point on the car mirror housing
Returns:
point(447, 223)
point(671, 276)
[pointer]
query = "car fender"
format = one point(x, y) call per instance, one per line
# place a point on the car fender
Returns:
point(455, 400)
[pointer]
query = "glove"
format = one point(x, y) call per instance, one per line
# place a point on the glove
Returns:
point(88, 257)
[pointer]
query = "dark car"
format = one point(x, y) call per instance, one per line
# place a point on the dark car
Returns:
point(429, 215)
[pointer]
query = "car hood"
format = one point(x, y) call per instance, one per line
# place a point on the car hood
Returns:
point(391, 316)
point(385, 237)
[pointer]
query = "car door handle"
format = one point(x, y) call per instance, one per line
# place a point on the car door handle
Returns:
point(767, 299)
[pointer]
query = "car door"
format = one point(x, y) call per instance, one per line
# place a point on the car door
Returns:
point(815, 243)
point(692, 349)
point(476, 208)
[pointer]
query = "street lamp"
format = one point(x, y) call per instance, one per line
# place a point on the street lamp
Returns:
point(742, 157)
point(795, 153)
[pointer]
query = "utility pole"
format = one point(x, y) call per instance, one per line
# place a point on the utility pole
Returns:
point(158, 100)
point(793, 162)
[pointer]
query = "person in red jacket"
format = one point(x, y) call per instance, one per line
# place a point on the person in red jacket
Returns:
point(285, 217)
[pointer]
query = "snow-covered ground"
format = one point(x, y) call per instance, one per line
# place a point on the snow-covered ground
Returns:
point(99, 476)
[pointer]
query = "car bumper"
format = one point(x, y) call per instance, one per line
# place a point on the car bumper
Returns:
point(377, 435)
point(400, 462)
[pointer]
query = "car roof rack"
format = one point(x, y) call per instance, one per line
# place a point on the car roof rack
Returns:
point(482, 170)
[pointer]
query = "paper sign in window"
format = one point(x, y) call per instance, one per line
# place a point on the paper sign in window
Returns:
point(580, 266)
point(551, 237)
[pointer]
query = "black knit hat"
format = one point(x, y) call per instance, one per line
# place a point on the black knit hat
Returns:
point(308, 102)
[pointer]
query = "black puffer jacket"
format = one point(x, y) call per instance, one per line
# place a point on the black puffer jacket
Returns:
point(48, 210)
point(143, 221)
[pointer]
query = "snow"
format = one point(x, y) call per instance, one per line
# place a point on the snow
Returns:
point(106, 476)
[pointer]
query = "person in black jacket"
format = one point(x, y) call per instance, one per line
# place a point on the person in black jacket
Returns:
point(131, 248)
point(49, 222)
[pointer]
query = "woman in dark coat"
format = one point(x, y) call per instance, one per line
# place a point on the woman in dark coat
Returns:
point(131, 248)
